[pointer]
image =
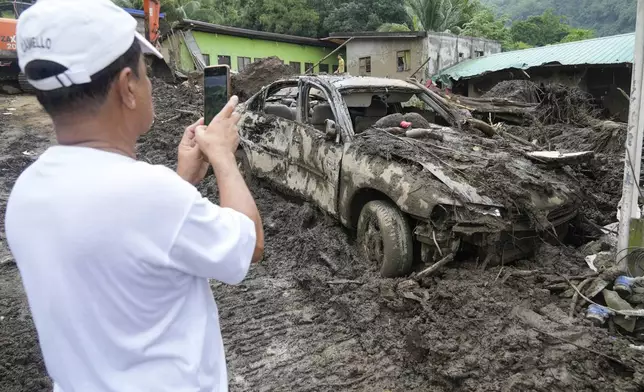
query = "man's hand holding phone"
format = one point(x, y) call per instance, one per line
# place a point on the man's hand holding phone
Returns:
point(191, 163)
point(219, 140)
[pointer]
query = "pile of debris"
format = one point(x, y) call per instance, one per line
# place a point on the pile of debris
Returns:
point(613, 298)
point(257, 75)
point(554, 103)
point(560, 118)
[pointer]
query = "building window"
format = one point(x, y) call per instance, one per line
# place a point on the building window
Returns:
point(296, 65)
point(478, 53)
point(365, 65)
point(206, 59)
point(308, 66)
point(221, 60)
point(242, 62)
point(324, 68)
point(403, 60)
point(460, 55)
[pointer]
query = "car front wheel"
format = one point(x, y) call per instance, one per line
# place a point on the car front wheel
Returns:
point(385, 238)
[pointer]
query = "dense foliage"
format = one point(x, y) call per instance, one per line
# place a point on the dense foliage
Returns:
point(605, 17)
point(317, 18)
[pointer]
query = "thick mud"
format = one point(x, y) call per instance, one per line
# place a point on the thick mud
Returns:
point(313, 316)
point(257, 75)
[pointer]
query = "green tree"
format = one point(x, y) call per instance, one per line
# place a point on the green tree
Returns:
point(578, 35)
point(393, 27)
point(280, 16)
point(365, 15)
point(606, 17)
point(516, 46)
point(486, 25)
point(323, 8)
point(545, 29)
point(442, 15)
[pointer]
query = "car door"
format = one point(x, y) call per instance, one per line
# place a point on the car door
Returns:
point(314, 158)
point(266, 129)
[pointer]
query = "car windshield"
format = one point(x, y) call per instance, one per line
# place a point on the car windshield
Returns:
point(383, 108)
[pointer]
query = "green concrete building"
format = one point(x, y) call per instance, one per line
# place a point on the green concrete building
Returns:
point(238, 48)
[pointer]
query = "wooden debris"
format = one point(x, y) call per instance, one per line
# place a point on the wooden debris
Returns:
point(436, 266)
point(344, 281)
point(171, 118)
point(484, 127)
point(575, 296)
point(519, 273)
point(559, 158)
point(189, 112)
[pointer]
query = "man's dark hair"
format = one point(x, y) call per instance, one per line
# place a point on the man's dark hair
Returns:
point(88, 96)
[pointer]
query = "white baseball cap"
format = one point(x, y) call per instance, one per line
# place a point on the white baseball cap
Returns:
point(84, 36)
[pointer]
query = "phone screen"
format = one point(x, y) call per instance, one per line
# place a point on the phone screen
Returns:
point(215, 91)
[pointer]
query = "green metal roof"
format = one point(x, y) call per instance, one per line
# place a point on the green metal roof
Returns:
point(617, 49)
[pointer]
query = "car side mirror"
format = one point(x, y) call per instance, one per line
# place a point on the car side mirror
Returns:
point(331, 131)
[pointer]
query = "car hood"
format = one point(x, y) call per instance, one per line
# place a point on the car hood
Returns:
point(478, 170)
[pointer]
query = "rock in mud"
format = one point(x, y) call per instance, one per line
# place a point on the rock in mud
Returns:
point(11, 90)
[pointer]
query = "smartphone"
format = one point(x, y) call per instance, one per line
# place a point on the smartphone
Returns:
point(216, 90)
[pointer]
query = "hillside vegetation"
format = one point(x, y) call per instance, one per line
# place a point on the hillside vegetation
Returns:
point(605, 17)
point(532, 26)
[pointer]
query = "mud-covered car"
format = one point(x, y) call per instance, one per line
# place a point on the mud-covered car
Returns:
point(415, 178)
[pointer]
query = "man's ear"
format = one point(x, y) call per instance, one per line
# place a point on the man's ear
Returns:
point(127, 84)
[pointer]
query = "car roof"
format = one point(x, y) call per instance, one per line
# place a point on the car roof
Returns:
point(343, 82)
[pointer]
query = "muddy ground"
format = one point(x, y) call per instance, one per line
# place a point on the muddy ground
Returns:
point(313, 316)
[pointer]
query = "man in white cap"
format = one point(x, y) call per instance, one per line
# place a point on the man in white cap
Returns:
point(115, 254)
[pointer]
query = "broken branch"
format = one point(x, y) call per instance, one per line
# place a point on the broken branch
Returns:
point(172, 118)
point(575, 296)
point(344, 281)
point(189, 112)
point(518, 139)
point(484, 127)
point(436, 266)
point(520, 273)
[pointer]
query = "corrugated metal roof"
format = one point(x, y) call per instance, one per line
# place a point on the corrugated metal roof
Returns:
point(617, 49)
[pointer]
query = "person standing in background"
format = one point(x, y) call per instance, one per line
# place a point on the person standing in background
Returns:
point(340, 69)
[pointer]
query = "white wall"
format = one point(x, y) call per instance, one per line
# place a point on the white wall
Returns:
point(442, 50)
point(446, 50)
point(383, 56)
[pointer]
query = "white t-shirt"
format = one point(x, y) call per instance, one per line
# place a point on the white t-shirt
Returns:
point(115, 257)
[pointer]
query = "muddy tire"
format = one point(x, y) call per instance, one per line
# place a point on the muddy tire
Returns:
point(385, 238)
point(243, 164)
